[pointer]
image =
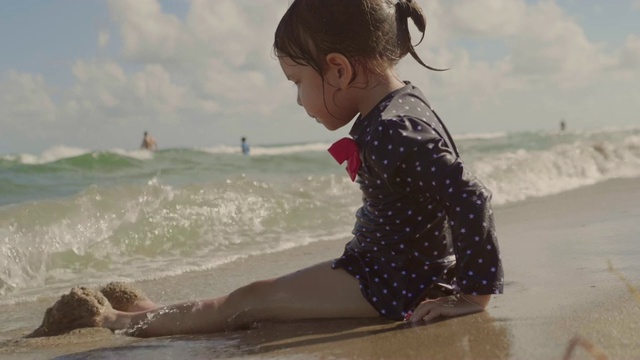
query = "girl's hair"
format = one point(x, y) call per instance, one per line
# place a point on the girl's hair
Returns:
point(372, 34)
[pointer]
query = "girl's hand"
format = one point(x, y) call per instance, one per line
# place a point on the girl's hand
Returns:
point(449, 306)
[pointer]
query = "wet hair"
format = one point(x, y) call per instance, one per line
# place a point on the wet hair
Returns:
point(372, 34)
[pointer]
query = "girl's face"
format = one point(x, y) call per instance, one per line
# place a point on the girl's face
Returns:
point(325, 103)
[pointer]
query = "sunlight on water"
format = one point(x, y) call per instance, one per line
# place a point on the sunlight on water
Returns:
point(70, 216)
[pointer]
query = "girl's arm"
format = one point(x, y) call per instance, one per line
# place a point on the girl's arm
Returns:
point(431, 171)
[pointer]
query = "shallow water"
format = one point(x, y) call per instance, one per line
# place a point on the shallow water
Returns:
point(70, 216)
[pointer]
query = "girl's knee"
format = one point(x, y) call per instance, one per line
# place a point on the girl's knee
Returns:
point(250, 303)
point(254, 292)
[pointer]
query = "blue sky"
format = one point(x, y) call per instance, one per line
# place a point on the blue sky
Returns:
point(198, 73)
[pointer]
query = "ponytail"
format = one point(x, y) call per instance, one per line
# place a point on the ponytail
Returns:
point(406, 9)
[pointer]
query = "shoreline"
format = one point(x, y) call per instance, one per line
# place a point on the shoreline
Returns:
point(556, 252)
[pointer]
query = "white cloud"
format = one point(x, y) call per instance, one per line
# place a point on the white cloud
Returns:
point(214, 66)
point(147, 33)
point(542, 41)
point(221, 49)
point(103, 88)
point(484, 18)
point(629, 55)
point(103, 39)
point(228, 30)
point(549, 68)
point(559, 48)
point(25, 100)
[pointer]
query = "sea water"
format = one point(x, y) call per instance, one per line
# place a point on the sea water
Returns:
point(73, 216)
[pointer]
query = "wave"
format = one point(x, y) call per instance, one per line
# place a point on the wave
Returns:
point(270, 150)
point(62, 152)
point(79, 216)
point(483, 136)
point(68, 155)
point(520, 174)
point(144, 232)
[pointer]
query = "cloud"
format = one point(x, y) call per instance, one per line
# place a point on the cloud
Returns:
point(103, 39)
point(629, 55)
point(148, 34)
point(105, 88)
point(543, 42)
point(25, 100)
point(546, 67)
point(481, 18)
point(232, 31)
point(213, 69)
point(221, 49)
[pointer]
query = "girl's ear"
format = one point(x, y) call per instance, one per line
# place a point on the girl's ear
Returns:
point(339, 70)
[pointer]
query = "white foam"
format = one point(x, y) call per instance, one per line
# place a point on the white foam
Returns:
point(268, 150)
point(521, 174)
point(479, 136)
point(140, 154)
point(50, 155)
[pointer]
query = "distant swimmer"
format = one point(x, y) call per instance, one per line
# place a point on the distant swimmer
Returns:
point(245, 146)
point(563, 125)
point(148, 142)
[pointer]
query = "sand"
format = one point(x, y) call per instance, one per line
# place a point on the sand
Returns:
point(80, 307)
point(572, 274)
point(77, 309)
point(124, 297)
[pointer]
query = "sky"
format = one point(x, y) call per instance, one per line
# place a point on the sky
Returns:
point(96, 74)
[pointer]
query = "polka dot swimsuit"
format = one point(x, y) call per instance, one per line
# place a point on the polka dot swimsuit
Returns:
point(425, 228)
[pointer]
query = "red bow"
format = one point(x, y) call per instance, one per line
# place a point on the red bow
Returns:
point(347, 149)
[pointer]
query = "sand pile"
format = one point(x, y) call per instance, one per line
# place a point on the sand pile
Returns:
point(81, 307)
point(123, 297)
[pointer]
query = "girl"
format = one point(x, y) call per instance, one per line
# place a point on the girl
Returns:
point(423, 245)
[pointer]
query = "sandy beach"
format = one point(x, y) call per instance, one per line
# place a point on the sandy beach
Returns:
point(572, 271)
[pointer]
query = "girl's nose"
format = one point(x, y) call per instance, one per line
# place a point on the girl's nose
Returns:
point(298, 99)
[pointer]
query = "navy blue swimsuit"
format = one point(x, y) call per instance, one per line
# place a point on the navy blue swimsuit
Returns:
point(425, 228)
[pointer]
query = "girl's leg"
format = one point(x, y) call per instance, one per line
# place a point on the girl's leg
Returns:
point(315, 292)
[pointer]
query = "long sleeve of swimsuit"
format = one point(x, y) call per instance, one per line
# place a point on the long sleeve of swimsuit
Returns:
point(427, 167)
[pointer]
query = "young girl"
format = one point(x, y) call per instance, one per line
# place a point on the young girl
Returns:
point(423, 245)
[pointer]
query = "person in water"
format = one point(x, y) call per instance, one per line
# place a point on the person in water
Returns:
point(424, 244)
point(244, 146)
point(148, 142)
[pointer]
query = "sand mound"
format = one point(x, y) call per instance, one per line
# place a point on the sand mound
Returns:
point(77, 309)
point(122, 296)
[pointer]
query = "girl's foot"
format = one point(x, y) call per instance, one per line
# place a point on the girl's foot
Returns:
point(82, 307)
point(127, 298)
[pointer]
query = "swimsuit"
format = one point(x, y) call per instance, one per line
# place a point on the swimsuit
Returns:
point(425, 228)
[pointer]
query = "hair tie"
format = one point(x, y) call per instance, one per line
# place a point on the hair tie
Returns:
point(403, 7)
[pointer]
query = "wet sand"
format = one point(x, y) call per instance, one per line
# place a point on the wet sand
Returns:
point(572, 266)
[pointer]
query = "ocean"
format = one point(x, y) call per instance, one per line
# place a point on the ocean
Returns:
point(72, 216)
